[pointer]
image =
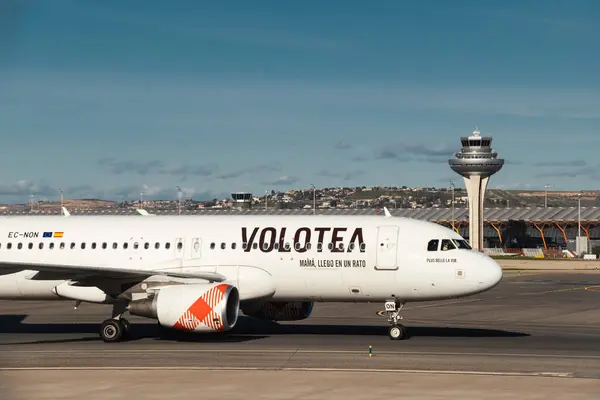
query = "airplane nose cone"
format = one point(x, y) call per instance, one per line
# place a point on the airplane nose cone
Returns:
point(490, 274)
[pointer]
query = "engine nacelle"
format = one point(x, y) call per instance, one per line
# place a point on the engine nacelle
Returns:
point(280, 311)
point(193, 307)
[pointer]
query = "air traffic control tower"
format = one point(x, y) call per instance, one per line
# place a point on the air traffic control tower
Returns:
point(242, 200)
point(476, 163)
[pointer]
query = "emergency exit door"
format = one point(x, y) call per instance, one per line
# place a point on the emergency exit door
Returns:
point(195, 248)
point(387, 247)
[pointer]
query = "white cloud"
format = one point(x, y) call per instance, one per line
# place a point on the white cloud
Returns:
point(282, 180)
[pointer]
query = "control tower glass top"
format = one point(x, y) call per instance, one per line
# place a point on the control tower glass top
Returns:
point(476, 156)
point(241, 196)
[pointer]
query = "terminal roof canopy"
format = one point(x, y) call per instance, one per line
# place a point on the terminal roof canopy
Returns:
point(525, 214)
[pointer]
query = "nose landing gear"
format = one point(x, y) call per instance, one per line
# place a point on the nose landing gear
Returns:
point(397, 331)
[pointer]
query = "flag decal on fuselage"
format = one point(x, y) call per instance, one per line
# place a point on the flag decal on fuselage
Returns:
point(52, 234)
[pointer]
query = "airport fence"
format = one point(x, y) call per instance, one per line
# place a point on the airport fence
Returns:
point(552, 253)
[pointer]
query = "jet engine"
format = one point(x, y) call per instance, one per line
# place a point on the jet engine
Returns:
point(279, 311)
point(193, 307)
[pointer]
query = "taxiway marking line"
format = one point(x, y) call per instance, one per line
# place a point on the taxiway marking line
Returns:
point(486, 324)
point(444, 304)
point(572, 289)
point(363, 370)
point(439, 305)
point(295, 351)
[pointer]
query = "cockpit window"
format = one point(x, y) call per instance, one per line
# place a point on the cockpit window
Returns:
point(462, 244)
point(447, 244)
point(433, 245)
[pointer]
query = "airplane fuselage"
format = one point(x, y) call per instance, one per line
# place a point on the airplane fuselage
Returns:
point(286, 258)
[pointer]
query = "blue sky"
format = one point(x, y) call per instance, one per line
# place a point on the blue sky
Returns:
point(105, 99)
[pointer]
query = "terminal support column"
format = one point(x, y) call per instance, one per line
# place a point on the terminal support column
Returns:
point(476, 185)
point(564, 232)
point(541, 230)
point(497, 229)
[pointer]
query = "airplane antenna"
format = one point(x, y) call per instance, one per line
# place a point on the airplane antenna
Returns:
point(64, 210)
point(143, 212)
point(179, 194)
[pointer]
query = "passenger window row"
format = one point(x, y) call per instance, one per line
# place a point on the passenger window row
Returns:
point(93, 245)
point(447, 244)
point(167, 245)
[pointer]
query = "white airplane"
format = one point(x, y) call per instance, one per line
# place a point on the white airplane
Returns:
point(195, 273)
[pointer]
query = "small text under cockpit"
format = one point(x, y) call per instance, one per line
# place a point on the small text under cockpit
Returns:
point(441, 260)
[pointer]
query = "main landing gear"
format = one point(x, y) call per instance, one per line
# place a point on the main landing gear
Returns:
point(397, 331)
point(115, 329)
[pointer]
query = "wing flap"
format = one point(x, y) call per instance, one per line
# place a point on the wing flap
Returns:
point(108, 272)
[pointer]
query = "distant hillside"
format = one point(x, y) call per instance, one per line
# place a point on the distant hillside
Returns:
point(71, 204)
point(84, 203)
point(363, 197)
point(533, 198)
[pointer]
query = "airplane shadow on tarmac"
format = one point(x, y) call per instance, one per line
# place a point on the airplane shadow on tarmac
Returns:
point(246, 329)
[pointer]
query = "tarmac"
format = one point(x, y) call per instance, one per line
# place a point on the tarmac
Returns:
point(535, 335)
point(520, 263)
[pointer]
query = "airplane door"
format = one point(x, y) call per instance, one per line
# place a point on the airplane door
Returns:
point(387, 247)
point(191, 254)
point(196, 248)
point(179, 248)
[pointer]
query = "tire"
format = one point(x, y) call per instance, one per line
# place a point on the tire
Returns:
point(111, 331)
point(397, 332)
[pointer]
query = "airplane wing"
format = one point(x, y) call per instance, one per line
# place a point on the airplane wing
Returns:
point(105, 272)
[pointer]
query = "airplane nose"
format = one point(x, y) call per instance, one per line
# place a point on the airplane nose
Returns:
point(490, 273)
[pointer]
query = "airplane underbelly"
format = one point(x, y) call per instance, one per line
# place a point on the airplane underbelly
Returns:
point(35, 289)
point(8, 287)
point(429, 282)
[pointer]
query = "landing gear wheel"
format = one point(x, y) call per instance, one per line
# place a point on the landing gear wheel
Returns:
point(397, 332)
point(112, 330)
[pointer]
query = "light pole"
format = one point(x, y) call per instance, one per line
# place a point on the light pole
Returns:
point(61, 197)
point(546, 195)
point(266, 198)
point(452, 187)
point(314, 199)
point(179, 194)
point(579, 214)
